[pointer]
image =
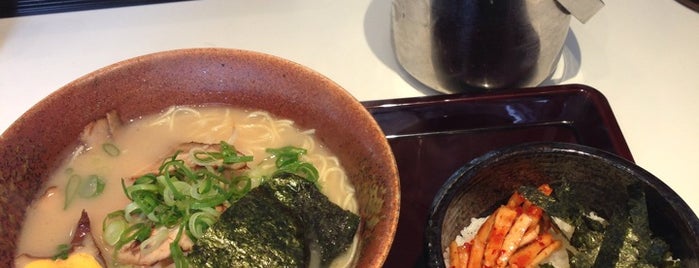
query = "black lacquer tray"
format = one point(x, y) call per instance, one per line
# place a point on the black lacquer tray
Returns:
point(433, 136)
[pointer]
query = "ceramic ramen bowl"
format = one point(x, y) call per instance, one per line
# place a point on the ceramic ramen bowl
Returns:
point(479, 187)
point(32, 147)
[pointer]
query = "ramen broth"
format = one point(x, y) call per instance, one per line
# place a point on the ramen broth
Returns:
point(144, 143)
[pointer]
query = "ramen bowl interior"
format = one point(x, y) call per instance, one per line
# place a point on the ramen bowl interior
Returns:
point(34, 145)
point(480, 186)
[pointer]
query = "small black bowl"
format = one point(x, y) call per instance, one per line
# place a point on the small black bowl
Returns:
point(486, 182)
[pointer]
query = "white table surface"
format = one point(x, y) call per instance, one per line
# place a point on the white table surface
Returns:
point(643, 55)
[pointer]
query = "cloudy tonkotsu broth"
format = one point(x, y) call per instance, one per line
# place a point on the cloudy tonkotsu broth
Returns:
point(145, 142)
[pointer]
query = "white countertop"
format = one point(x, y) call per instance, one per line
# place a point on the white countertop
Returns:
point(641, 54)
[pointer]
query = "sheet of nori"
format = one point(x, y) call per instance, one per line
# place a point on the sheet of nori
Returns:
point(254, 232)
point(275, 225)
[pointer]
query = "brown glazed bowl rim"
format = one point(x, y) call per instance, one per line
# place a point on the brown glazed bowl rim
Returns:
point(452, 187)
point(260, 76)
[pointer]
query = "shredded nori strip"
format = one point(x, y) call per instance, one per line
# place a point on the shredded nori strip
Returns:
point(625, 240)
point(276, 225)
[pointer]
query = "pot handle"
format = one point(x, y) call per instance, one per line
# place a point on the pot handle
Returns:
point(582, 10)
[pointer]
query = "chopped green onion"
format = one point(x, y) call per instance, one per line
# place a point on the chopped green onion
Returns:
point(131, 210)
point(113, 216)
point(289, 160)
point(154, 241)
point(146, 179)
point(211, 202)
point(204, 157)
point(71, 189)
point(227, 154)
point(190, 198)
point(202, 189)
point(93, 186)
point(287, 155)
point(111, 149)
point(240, 186)
point(304, 169)
point(230, 156)
point(62, 252)
point(176, 252)
point(113, 231)
point(137, 189)
point(137, 232)
point(178, 168)
point(174, 190)
point(76, 186)
point(200, 221)
point(147, 202)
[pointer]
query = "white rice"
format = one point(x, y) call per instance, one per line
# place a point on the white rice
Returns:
point(468, 233)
